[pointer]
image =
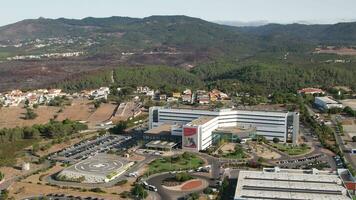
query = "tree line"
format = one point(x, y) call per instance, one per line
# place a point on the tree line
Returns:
point(53, 129)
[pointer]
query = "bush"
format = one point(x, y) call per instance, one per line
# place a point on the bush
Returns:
point(121, 182)
point(354, 138)
point(2, 176)
point(97, 190)
point(193, 196)
point(29, 114)
point(276, 140)
point(119, 128)
point(208, 190)
point(139, 191)
point(182, 177)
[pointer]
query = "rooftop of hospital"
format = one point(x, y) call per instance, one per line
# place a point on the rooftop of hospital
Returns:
point(162, 129)
point(257, 108)
point(200, 121)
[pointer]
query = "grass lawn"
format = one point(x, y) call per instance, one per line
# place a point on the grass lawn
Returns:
point(10, 150)
point(175, 163)
point(291, 150)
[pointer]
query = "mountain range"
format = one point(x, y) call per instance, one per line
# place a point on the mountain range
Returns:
point(179, 41)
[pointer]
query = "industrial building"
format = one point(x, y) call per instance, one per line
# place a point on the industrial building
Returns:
point(275, 183)
point(327, 103)
point(198, 129)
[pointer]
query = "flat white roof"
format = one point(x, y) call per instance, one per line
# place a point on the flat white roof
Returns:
point(200, 121)
point(286, 184)
point(161, 144)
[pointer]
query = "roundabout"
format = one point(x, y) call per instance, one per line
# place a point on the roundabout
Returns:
point(189, 186)
point(197, 184)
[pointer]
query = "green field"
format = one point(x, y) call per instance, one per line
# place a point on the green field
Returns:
point(292, 150)
point(175, 163)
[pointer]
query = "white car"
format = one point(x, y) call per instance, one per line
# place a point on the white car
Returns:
point(133, 174)
point(152, 188)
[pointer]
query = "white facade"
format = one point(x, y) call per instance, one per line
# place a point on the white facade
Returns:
point(282, 125)
point(327, 103)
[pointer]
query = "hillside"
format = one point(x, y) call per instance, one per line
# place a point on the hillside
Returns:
point(341, 33)
point(133, 34)
point(34, 53)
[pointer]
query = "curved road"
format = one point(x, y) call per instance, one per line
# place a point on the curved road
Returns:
point(169, 194)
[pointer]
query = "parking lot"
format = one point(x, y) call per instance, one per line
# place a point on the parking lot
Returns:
point(304, 162)
point(89, 148)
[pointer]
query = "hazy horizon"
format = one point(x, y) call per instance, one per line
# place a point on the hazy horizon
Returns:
point(238, 11)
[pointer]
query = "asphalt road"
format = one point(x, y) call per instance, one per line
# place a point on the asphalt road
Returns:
point(168, 194)
point(341, 144)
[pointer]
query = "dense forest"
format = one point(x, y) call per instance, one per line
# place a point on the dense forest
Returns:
point(158, 77)
point(13, 140)
point(261, 74)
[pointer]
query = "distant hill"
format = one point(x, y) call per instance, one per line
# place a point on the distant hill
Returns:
point(131, 33)
point(341, 33)
point(176, 41)
point(119, 34)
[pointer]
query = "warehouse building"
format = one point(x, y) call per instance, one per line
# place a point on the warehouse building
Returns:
point(198, 129)
point(275, 183)
point(327, 103)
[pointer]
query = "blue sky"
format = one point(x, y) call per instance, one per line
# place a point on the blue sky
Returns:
point(280, 11)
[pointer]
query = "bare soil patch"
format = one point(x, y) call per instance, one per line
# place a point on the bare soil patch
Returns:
point(191, 185)
point(11, 117)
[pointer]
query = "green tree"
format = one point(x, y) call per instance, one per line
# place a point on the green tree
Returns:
point(30, 114)
point(2, 176)
point(139, 192)
point(4, 194)
point(182, 177)
point(354, 138)
point(118, 128)
point(193, 196)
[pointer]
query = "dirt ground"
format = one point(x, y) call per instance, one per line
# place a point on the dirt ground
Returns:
point(101, 114)
point(22, 190)
point(10, 117)
point(264, 152)
point(349, 102)
point(228, 147)
point(81, 110)
point(125, 112)
point(36, 177)
point(11, 172)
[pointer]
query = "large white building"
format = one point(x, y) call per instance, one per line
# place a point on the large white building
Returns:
point(275, 183)
point(196, 126)
point(327, 103)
